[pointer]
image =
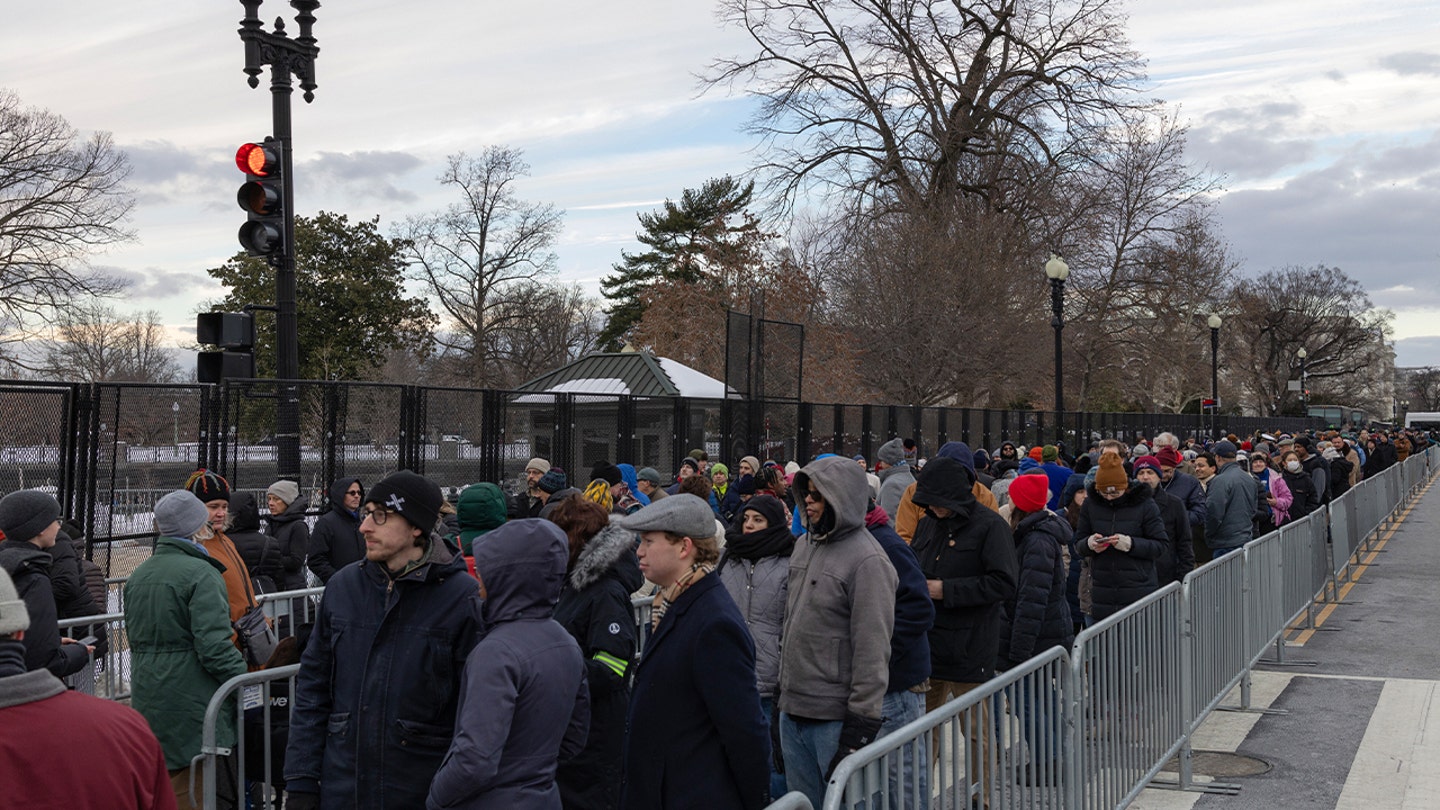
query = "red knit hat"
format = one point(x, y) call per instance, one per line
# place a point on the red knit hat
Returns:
point(1167, 457)
point(1030, 492)
point(1037, 452)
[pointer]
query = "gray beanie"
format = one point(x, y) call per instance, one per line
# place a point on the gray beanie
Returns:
point(13, 615)
point(26, 513)
point(682, 514)
point(892, 452)
point(179, 514)
point(286, 491)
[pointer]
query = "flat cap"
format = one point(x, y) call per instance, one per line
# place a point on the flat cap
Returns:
point(683, 514)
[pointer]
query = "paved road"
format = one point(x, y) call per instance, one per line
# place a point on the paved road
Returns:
point(1361, 727)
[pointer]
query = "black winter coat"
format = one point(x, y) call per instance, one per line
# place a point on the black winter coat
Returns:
point(294, 535)
point(1187, 489)
point(1302, 490)
point(1038, 616)
point(261, 552)
point(1121, 578)
point(29, 568)
point(336, 541)
point(1340, 476)
point(972, 553)
point(73, 597)
point(594, 608)
point(1179, 557)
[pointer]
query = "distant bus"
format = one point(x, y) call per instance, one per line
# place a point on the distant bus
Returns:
point(1340, 415)
point(1428, 420)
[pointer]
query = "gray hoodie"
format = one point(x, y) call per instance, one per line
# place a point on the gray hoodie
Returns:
point(840, 607)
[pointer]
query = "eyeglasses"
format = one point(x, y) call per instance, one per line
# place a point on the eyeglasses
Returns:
point(354, 492)
point(378, 516)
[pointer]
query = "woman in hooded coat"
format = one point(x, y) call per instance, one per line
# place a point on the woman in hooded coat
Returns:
point(287, 524)
point(595, 609)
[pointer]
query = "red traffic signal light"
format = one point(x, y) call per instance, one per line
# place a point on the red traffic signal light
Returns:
point(259, 159)
point(262, 198)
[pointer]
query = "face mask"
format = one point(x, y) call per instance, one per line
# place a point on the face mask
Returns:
point(1292, 465)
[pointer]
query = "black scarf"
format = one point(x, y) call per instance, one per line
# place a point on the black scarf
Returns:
point(12, 657)
point(775, 541)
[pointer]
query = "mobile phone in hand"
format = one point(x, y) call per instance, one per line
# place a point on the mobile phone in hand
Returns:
point(88, 641)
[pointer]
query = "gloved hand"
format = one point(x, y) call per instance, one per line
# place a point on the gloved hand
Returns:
point(856, 733)
point(776, 755)
point(302, 801)
point(1122, 542)
point(1097, 543)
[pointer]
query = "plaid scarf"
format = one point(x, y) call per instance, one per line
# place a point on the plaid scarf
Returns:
point(667, 596)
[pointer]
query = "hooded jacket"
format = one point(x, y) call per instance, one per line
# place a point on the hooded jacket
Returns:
point(177, 622)
point(972, 554)
point(894, 483)
point(376, 695)
point(1037, 617)
point(481, 508)
point(29, 567)
point(1119, 578)
point(595, 609)
point(336, 542)
point(524, 703)
point(294, 535)
point(840, 605)
point(908, 514)
point(261, 552)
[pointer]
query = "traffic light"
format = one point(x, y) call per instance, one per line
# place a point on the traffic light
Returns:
point(262, 198)
point(234, 334)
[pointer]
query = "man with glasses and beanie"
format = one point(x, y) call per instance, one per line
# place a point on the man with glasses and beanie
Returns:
point(335, 542)
point(30, 520)
point(839, 614)
point(379, 682)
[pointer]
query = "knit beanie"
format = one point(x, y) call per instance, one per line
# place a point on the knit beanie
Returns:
point(1111, 478)
point(13, 615)
point(26, 513)
point(767, 506)
point(752, 461)
point(792, 467)
point(553, 481)
point(1147, 463)
point(415, 497)
point(607, 472)
point(287, 491)
point(1030, 492)
point(892, 452)
point(538, 464)
point(208, 486)
point(717, 467)
point(691, 463)
point(178, 514)
point(1049, 453)
point(1037, 452)
point(648, 474)
point(599, 492)
point(1167, 457)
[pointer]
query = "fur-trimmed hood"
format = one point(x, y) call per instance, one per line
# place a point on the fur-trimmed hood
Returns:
point(611, 552)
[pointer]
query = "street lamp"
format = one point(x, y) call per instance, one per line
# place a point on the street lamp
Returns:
point(1304, 395)
point(1056, 270)
point(175, 409)
point(1214, 375)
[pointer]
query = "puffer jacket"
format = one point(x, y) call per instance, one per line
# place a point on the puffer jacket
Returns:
point(1179, 557)
point(177, 621)
point(29, 567)
point(972, 553)
point(759, 588)
point(524, 704)
point(294, 535)
point(595, 609)
point(481, 508)
point(336, 541)
point(1037, 617)
point(261, 552)
point(376, 695)
point(840, 604)
point(1120, 578)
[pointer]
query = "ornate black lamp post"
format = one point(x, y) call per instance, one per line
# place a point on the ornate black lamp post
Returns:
point(1057, 270)
point(1304, 392)
point(1214, 375)
point(286, 58)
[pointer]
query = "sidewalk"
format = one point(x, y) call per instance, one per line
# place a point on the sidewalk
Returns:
point(1361, 722)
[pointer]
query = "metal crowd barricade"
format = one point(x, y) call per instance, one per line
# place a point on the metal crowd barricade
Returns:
point(1218, 652)
point(640, 607)
point(290, 609)
point(259, 701)
point(1344, 533)
point(107, 676)
point(1016, 724)
point(1264, 593)
point(793, 800)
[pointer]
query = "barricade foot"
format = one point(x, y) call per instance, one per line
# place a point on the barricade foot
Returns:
point(1217, 788)
point(1251, 710)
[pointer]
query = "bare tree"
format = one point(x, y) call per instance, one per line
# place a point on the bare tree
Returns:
point(905, 103)
point(61, 199)
point(559, 323)
point(1423, 387)
point(91, 343)
point(479, 257)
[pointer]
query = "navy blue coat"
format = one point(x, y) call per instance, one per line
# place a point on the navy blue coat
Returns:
point(914, 612)
point(695, 735)
point(376, 695)
point(1187, 488)
point(1037, 617)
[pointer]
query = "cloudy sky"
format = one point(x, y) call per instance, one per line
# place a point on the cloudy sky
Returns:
point(1323, 116)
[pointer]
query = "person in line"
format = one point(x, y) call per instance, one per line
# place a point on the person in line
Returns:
point(178, 626)
point(1179, 556)
point(696, 733)
point(1229, 503)
point(524, 705)
point(65, 749)
point(896, 476)
point(909, 513)
point(481, 509)
point(535, 470)
point(214, 491)
point(1303, 498)
point(755, 571)
point(336, 541)
point(261, 552)
point(1121, 531)
point(286, 523)
point(1273, 510)
point(30, 520)
point(594, 608)
point(648, 482)
point(379, 682)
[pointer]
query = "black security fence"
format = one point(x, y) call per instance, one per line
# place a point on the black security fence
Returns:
point(109, 451)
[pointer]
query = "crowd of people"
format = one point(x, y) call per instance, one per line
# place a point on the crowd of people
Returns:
point(484, 652)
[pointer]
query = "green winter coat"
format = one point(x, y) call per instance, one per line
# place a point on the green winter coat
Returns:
point(178, 620)
point(481, 507)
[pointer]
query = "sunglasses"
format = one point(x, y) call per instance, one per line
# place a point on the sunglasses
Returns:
point(354, 492)
point(813, 495)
